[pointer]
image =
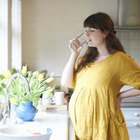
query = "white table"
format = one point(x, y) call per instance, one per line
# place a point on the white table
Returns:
point(57, 120)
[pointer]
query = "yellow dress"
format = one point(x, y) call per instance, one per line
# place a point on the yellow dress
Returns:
point(92, 106)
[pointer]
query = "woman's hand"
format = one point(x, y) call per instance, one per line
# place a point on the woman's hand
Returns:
point(125, 94)
point(75, 46)
point(118, 101)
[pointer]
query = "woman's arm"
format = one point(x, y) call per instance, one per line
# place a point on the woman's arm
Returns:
point(126, 94)
point(67, 75)
point(129, 93)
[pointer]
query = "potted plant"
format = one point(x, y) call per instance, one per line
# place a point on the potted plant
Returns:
point(21, 96)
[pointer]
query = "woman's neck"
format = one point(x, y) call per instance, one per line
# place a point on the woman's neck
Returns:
point(102, 51)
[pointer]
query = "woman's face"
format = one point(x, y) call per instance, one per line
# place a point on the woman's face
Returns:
point(95, 37)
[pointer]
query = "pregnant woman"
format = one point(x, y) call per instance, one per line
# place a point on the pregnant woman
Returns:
point(97, 78)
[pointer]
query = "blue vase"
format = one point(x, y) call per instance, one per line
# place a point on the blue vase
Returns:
point(26, 111)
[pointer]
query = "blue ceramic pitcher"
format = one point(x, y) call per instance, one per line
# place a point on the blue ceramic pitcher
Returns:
point(26, 111)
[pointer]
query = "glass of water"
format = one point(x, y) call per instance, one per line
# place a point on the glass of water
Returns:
point(82, 38)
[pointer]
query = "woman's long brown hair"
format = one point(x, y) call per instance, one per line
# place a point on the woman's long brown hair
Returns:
point(103, 22)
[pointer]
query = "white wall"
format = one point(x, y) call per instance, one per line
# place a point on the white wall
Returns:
point(5, 35)
point(48, 25)
point(131, 42)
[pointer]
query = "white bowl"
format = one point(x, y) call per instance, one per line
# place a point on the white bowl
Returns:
point(24, 133)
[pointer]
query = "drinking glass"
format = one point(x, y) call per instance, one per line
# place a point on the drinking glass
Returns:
point(82, 38)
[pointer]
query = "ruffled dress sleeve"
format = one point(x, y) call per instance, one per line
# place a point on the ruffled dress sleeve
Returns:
point(130, 72)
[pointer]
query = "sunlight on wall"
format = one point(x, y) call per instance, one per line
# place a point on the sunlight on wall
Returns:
point(4, 35)
point(10, 34)
point(16, 34)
